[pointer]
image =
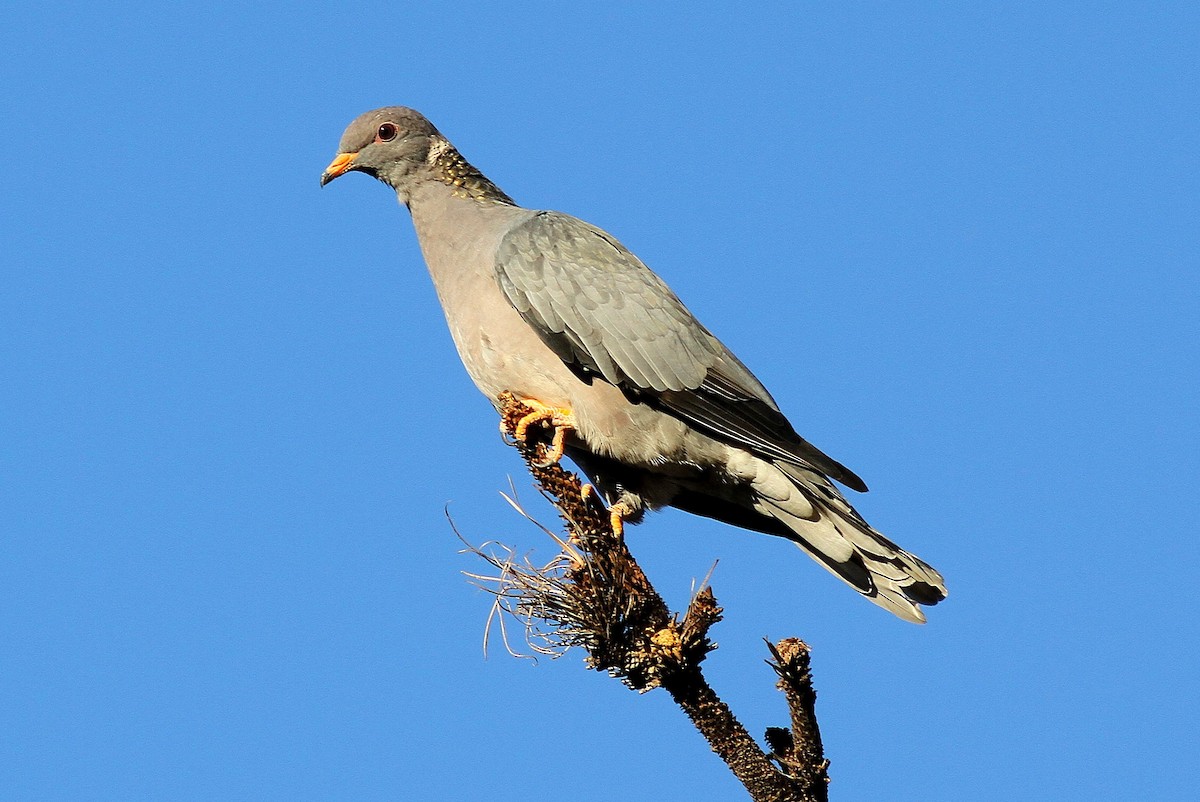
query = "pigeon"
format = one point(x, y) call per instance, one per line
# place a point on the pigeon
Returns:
point(650, 405)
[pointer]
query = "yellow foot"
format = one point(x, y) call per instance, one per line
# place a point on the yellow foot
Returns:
point(617, 514)
point(561, 419)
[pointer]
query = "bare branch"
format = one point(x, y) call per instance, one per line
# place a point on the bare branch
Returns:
point(595, 595)
point(799, 750)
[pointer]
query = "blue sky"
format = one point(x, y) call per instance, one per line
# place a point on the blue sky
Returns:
point(959, 242)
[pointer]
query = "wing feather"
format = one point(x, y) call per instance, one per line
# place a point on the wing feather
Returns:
point(607, 315)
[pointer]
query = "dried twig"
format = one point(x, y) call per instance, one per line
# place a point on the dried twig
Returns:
point(594, 594)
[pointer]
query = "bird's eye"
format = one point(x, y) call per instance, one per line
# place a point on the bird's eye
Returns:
point(386, 133)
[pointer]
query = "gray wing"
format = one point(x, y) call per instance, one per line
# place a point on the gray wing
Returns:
point(609, 317)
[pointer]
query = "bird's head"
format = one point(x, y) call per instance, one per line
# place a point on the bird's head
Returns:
point(389, 143)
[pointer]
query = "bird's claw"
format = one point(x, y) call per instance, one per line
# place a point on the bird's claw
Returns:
point(560, 419)
point(557, 445)
point(617, 514)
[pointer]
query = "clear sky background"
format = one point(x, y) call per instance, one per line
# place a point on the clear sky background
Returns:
point(959, 242)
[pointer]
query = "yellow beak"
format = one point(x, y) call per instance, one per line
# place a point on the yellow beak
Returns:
point(339, 165)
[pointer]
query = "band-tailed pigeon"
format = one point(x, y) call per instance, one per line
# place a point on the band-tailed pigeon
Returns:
point(653, 408)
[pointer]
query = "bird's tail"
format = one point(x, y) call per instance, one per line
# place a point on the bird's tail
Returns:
point(823, 523)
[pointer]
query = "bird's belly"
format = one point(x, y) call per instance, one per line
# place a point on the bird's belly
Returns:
point(503, 354)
